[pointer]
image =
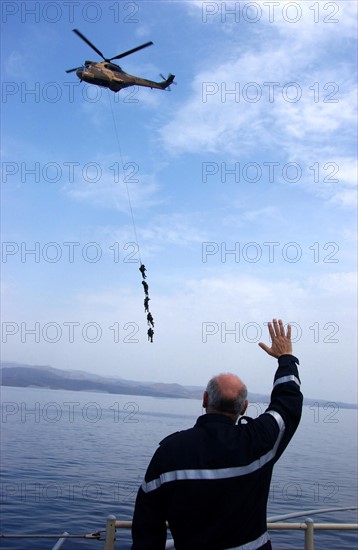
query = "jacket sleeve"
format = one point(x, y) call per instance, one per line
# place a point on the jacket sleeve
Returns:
point(149, 531)
point(286, 399)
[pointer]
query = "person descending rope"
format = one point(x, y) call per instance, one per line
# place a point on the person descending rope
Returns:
point(146, 287)
point(150, 319)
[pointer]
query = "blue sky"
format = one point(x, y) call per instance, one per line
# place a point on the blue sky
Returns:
point(242, 181)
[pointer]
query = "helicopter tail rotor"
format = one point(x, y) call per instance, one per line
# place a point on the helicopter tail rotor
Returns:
point(167, 81)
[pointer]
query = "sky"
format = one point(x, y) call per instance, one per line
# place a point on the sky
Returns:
point(236, 189)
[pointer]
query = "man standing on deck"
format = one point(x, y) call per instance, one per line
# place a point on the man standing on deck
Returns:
point(211, 482)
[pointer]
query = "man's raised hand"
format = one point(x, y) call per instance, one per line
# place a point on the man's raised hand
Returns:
point(281, 342)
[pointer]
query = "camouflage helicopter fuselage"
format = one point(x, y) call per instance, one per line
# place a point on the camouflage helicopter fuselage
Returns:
point(109, 75)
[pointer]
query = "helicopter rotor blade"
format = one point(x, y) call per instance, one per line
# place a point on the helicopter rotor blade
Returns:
point(132, 51)
point(89, 43)
point(73, 70)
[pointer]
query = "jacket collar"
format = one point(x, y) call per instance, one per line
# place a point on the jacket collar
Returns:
point(213, 417)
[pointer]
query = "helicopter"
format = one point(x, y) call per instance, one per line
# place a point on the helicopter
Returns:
point(109, 75)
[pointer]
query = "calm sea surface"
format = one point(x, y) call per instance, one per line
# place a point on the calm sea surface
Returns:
point(69, 459)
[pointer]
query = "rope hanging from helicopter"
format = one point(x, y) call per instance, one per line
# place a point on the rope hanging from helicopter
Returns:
point(106, 73)
point(142, 267)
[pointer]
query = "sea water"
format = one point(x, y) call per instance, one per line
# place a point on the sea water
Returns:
point(69, 459)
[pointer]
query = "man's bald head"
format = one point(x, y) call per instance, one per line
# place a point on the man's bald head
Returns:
point(226, 394)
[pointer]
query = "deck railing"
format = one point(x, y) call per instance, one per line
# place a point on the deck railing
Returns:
point(308, 526)
point(274, 523)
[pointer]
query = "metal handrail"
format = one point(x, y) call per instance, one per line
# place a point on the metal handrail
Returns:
point(273, 523)
point(273, 519)
point(60, 541)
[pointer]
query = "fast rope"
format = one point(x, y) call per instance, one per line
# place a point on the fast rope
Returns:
point(142, 268)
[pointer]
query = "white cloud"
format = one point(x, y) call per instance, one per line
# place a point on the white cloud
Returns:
point(347, 198)
point(267, 213)
point(175, 228)
point(253, 98)
point(17, 63)
point(342, 283)
point(107, 192)
point(317, 121)
point(300, 19)
point(310, 110)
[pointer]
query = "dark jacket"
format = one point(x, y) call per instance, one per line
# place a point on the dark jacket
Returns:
point(211, 482)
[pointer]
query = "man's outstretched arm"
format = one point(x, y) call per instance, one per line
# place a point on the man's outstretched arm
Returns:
point(286, 398)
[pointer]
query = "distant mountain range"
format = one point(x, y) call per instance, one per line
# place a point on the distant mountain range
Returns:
point(38, 376)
